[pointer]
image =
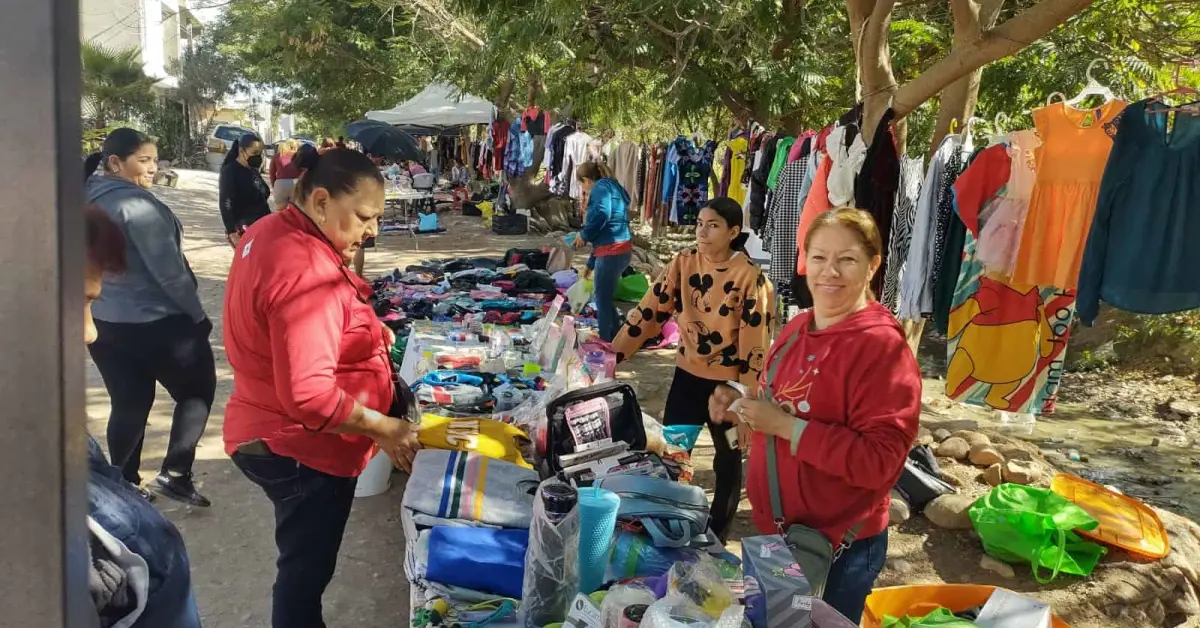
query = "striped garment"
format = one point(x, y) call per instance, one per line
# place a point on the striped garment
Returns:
point(783, 218)
point(911, 176)
point(471, 487)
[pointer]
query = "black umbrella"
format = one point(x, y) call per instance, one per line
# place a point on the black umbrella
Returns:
point(384, 140)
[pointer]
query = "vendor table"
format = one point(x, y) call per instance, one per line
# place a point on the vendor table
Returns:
point(396, 207)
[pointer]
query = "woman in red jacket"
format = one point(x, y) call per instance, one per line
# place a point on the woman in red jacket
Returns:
point(313, 385)
point(841, 407)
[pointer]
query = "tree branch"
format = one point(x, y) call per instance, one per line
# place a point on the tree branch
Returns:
point(997, 43)
point(446, 19)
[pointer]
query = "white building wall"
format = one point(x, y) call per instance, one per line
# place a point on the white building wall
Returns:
point(124, 24)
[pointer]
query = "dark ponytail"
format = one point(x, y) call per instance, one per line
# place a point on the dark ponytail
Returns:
point(731, 212)
point(121, 142)
point(91, 163)
point(338, 170)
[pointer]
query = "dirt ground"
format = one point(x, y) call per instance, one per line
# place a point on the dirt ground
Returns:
point(231, 545)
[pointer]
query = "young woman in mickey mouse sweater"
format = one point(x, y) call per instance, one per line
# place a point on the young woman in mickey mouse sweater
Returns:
point(724, 306)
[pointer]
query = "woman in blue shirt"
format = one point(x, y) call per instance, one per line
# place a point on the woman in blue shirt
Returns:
point(606, 228)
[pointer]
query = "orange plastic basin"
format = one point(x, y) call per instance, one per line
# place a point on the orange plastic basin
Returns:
point(922, 599)
point(1125, 522)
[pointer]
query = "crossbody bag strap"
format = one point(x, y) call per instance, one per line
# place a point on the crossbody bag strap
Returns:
point(772, 464)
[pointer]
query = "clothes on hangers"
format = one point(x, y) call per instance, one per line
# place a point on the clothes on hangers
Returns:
point(1071, 160)
point(783, 219)
point(756, 201)
point(1000, 236)
point(782, 148)
point(847, 151)
point(924, 254)
point(876, 184)
point(1142, 246)
point(912, 173)
point(575, 152)
point(535, 121)
point(1005, 340)
point(693, 167)
point(624, 163)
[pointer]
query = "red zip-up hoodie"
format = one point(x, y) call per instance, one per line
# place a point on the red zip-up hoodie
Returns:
point(304, 344)
point(859, 387)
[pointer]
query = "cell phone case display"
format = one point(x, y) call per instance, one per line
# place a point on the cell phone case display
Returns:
point(590, 419)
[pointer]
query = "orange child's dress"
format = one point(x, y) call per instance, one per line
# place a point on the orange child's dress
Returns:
point(1071, 162)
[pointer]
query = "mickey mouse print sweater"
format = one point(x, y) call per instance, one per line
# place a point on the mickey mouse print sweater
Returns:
point(725, 312)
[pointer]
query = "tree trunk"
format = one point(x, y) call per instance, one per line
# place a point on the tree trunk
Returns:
point(991, 44)
point(958, 101)
point(869, 24)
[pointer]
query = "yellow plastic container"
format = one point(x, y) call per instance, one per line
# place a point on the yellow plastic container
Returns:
point(1125, 523)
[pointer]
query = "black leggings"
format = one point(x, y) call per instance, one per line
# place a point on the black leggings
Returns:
point(131, 357)
point(687, 404)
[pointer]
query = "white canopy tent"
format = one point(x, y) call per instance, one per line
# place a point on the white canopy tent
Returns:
point(438, 106)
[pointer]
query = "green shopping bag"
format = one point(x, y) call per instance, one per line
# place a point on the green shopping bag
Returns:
point(941, 618)
point(1020, 524)
point(632, 287)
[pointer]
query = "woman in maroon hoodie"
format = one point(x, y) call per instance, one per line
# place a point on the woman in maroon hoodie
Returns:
point(842, 407)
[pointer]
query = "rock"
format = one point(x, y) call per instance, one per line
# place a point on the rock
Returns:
point(953, 447)
point(898, 511)
point(941, 434)
point(924, 436)
point(973, 438)
point(984, 455)
point(1014, 452)
point(996, 566)
point(899, 566)
point(1187, 409)
point(993, 475)
point(1021, 472)
point(1178, 410)
point(950, 512)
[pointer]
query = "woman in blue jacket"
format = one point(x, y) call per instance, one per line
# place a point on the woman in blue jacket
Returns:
point(606, 228)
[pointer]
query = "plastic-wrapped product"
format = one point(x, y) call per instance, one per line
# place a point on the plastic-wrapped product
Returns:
point(677, 611)
point(552, 561)
point(621, 596)
point(701, 582)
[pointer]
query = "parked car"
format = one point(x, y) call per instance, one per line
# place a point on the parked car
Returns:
point(221, 140)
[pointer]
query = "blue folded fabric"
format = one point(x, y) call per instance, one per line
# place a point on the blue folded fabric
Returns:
point(479, 559)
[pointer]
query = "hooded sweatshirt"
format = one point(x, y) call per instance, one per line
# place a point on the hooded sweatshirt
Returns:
point(606, 223)
point(858, 387)
point(158, 283)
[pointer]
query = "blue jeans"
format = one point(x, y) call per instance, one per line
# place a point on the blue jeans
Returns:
point(125, 514)
point(311, 511)
point(852, 576)
point(605, 277)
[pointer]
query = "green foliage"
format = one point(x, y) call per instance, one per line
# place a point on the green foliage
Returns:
point(167, 123)
point(114, 85)
point(330, 60)
point(1138, 39)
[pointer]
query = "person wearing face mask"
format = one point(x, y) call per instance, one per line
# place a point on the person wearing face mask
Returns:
point(138, 570)
point(838, 411)
point(152, 325)
point(242, 190)
point(724, 306)
point(314, 393)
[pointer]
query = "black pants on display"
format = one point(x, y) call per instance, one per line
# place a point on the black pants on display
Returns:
point(311, 511)
point(132, 357)
point(687, 404)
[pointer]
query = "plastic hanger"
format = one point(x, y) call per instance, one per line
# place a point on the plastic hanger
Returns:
point(967, 140)
point(1179, 89)
point(1093, 88)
